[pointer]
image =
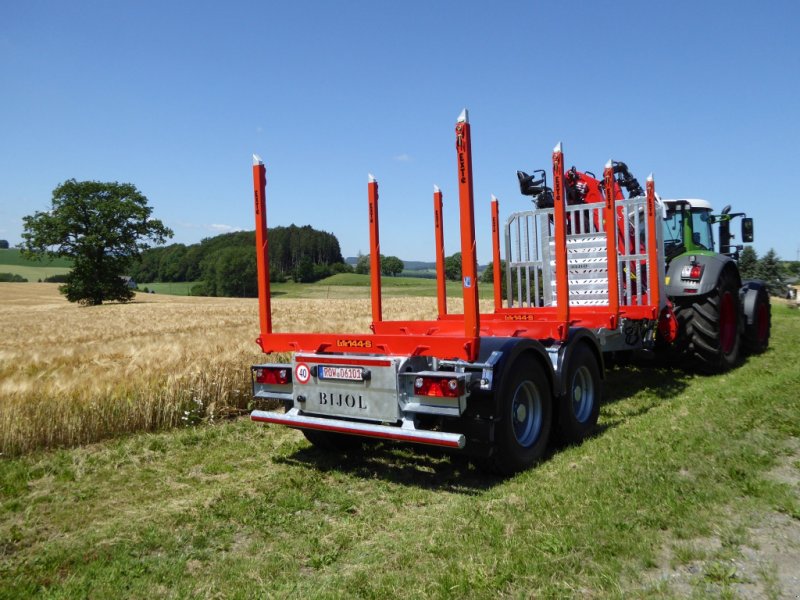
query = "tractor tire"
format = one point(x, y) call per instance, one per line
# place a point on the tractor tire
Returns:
point(709, 339)
point(335, 442)
point(756, 334)
point(579, 407)
point(523, 430)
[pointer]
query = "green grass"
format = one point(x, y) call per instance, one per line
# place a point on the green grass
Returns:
point(12, 256)
point(240, 510)
point(341, 285)
point(12, 261)
point(353, 285)
point(177, 288)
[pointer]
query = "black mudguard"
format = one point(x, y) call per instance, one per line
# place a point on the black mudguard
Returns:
point(747, 296)
point(713, 267)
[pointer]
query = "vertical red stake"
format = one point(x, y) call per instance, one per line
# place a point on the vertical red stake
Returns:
point(262, 245)
point(469, 265)
point(652, 251)
point(560, 224)
point(611, 244)
point(441, 288)
point(374, 250)
point(496, 266)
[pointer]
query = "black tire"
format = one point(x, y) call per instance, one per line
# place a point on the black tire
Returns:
point(523, 430)
point(756, 334)
point(335, 442)
point(709, 338)
point(579, 406)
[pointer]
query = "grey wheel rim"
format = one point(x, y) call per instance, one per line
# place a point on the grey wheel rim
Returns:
point(582, 393)
point(526, 413)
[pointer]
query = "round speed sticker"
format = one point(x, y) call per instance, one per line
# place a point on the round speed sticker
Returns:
point(302, 372)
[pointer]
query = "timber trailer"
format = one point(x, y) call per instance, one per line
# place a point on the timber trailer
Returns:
point(582, 280)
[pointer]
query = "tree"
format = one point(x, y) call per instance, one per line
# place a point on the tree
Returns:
point(769, 271)
point(391, 265)
point(102, 227)
point(452, 267)
point(362, 266)
point(488, 277)
point(748, 263)
point(3, 244)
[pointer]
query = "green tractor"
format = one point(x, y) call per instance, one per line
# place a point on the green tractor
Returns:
point(719, 316)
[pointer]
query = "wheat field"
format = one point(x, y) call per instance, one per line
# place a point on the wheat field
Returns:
point(72, 375)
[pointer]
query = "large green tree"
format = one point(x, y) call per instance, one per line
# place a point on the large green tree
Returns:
point(452, 267)
point(769, 271)
point(748, 263)
point(102, 227)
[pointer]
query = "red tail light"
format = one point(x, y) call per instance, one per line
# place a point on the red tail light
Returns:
point(694, 272)
point(273, 375)
point(441, 387)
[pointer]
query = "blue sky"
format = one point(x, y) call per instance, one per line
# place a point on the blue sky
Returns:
point(174, 97)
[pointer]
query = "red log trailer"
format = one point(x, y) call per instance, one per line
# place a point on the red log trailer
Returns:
point(500, 385)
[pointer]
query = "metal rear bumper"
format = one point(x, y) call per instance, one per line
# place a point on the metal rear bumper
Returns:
point(406, 433)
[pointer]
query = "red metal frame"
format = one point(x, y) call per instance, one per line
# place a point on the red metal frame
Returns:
point(611, 242)
point(652, 254)
point(441, 286)
point(496, 267)
point(458, 335)
point(560, 224)
point(374, 251)
point(469, 260)
point(262, 245)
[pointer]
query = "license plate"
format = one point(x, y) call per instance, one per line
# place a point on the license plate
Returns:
point(340, 373)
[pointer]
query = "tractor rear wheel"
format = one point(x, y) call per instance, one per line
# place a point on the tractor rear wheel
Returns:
point(709, 327)
point(756, 334)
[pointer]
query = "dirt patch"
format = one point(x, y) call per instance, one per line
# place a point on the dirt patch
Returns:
point(758, 559)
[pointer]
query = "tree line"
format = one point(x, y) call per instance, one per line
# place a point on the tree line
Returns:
point(226, 264)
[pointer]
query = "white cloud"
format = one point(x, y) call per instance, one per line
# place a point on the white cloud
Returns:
point(402, 158)
point(221, 228)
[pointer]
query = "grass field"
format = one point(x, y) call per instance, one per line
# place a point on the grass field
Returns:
point(173, 288)
point(12, 261)
point(687, 477)
point(342, 286)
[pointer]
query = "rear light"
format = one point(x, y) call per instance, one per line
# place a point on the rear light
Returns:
point(694, 272)
point(273, 375)
point(440, 387)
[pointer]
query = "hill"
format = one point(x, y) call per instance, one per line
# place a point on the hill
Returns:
point(227, 263)
point(13, 256)
point(12, 261)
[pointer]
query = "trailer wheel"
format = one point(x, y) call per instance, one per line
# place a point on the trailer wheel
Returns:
point(756, 334)
point(336, 442)
point(579, 406)
point(523, 431)
point(709, 327)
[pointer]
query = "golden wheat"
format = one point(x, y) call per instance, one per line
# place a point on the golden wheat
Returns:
point(71, 375)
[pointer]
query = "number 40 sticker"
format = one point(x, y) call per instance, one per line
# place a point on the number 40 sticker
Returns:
point(302, 373)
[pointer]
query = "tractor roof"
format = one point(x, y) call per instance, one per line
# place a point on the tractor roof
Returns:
point(693, 202)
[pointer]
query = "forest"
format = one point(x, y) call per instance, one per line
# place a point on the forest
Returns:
point(225, 265)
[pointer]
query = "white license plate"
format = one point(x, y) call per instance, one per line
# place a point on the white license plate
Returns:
point(341, 373)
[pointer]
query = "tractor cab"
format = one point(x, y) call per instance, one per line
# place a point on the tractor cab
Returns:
point(688, 228)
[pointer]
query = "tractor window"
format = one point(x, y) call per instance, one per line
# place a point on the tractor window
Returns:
point(673, 230)
point(701, 226)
